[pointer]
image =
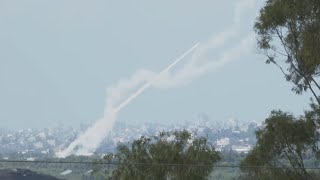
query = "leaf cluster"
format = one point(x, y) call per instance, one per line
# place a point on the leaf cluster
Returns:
point(289, 34)
point(281, 147)
point(169, 155)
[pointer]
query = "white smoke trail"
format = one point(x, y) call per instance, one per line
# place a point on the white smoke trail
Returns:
point(200, 64)
point(154, 80)
point(90, 140)
point(117, 96)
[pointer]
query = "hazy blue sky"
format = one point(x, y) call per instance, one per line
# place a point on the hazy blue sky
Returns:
point(58, 57)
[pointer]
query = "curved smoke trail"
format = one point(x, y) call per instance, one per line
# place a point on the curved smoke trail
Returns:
point(117, 97)
point(90, 140)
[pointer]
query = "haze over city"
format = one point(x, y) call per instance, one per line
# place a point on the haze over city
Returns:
point(58, 58)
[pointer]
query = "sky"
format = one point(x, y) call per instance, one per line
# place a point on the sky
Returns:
point(58, 58)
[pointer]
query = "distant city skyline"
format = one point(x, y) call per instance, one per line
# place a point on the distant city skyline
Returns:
point(58, 58)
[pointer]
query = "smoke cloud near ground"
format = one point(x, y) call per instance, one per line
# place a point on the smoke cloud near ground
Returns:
point(195, 66)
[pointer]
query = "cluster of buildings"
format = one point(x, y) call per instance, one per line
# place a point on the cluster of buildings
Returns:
point(30, 144)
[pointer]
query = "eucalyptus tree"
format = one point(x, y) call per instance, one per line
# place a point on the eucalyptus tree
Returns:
point(281, 148)
point(169, 155)
point(289, 35)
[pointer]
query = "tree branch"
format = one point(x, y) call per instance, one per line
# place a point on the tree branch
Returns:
point(295, 68)
point(296, 53)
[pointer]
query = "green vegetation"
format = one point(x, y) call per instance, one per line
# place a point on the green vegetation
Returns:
point(289, 35)
point(282, 147)
point(170, 155)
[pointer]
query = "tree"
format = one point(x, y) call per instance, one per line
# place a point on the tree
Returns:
point(170, 155)
point(289, 35)
point(281, 148)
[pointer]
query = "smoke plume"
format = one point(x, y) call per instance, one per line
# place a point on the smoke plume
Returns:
point(199, 64)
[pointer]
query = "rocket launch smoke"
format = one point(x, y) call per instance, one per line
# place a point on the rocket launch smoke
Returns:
point(90, 140)
point(118, 96)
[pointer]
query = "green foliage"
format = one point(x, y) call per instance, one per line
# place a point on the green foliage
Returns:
point(166, 156)
point(289, 33)
point(281, 148)
point(314, 113)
